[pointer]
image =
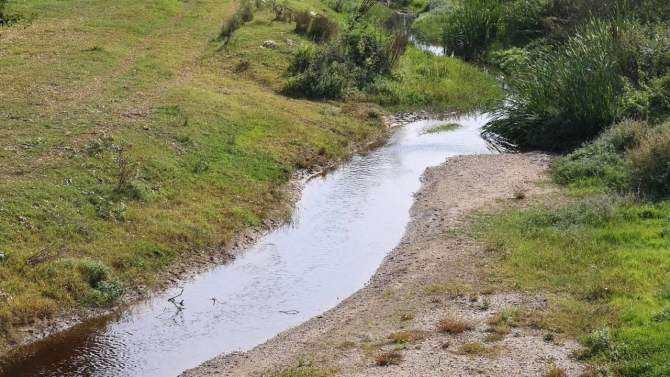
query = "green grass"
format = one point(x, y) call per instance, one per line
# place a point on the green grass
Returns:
point(208, 148)
point(440, 83)
point(602, 262)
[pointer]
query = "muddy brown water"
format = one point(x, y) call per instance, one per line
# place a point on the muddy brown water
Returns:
point(343, 226)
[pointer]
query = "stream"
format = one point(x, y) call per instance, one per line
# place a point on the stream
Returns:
point(344, 225)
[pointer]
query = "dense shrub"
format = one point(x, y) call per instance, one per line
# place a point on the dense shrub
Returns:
point(649, 164)
point(563, 96)
point(470, 28)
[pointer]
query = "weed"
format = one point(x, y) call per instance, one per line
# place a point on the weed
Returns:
point(470, 28)
point(407, 336)
point(555, 371)
point(485, 304)
point(385, 358)
point(293, 371)
point(229, 27)
point(479, 349)
point(497, 332)
point(649, 172)
point(127, 170)
point(454, 325)
point(302, 21)
point(519, 192)
point(322, 29)
point(246, 11)
point(508, 316)
point(242, 66)
point(344, 345)
point(442, 128)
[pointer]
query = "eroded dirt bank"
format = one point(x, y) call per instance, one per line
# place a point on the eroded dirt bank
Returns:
point(432, 275)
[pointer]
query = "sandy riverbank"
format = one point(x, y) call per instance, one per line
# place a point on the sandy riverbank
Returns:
point(433, 274)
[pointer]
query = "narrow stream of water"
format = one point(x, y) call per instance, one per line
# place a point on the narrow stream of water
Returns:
point(344, 225)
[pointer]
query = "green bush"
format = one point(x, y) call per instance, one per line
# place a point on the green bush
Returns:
point(601, 161)
point(595, 163)
point(470, 28)
point(649, 164)
point(94, 272)
point(563, 96)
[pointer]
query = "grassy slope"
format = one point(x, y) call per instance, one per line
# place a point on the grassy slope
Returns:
point(208, 149)
point(603, 262)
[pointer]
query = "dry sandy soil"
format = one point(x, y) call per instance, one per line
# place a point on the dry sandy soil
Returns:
point(435, 273)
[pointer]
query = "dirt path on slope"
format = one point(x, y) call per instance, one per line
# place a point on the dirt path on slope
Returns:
point(433, 274)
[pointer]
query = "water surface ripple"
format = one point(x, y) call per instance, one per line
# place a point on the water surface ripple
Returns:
point(344, 225)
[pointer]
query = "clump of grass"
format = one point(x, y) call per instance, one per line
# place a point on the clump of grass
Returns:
point(346, 344)
point(406, 316)
point(293, 371)
point(556, 371)
point(407, 336)
point(244, 14)
point(454, 325)
point(456, 289)
point(441, 128)
point(470, 28)
point(425, 80)
point(302, 21)
point(229, 27)
point(497, 333)
point(519, 192)
point(322, 29)
point(647, 164)
point(564, 96)
point(507, 316)
point(385, 358)
point(479, 349)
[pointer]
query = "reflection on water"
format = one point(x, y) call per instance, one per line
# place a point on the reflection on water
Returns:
point(345, 223)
